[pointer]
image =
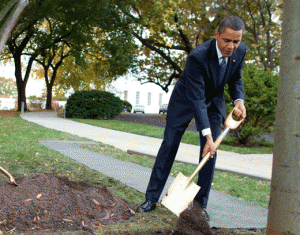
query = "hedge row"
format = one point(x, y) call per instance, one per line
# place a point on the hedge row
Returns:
point(93, 104)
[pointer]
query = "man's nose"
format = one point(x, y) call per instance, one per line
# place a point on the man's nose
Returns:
point(231, 45)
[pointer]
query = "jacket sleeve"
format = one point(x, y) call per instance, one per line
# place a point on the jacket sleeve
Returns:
point(195, 90)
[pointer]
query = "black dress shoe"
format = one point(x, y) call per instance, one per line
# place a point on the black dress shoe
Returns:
point(205, 214)
point(146, 207)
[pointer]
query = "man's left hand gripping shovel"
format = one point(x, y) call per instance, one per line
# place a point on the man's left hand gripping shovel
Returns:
point(183, 190)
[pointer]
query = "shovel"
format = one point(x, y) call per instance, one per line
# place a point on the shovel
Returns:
point(11, 179)
point(183, 190)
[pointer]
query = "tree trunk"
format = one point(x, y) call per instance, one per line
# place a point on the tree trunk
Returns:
point(20, 84)
point(284, 207)
point(49, 96)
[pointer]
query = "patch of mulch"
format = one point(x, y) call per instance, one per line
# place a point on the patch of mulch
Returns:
point(45, 203)
point(48, 203)
point(191, 221)
point(149, 119)
point(9, 113)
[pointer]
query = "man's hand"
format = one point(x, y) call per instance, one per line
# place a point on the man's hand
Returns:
point(209, 146)
point(241, 112)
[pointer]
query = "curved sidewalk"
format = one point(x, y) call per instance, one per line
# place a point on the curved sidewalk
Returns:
point(254, 165)
point(226, 211)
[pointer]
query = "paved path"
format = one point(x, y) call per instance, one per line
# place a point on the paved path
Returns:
point(226, 211)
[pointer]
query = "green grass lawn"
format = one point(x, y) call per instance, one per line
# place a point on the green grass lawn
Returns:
point(21, 154)
point(189, 137)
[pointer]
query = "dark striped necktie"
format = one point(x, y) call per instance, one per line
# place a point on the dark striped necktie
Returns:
point(223, 66)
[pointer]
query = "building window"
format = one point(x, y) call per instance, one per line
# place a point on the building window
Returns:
point(160, 99)
point(125, 95)
point(149, 98)
point(137, 98)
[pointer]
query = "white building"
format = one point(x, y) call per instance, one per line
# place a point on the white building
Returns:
point(149, 94)
point(8, 103)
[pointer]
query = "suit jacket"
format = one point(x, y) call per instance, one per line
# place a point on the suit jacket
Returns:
point(197, 87)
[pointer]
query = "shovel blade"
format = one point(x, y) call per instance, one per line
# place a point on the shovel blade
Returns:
point(180, 194)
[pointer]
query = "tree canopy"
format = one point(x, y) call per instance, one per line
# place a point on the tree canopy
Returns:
point(168, 30)
point(7, 87)
point(48, 25)
point(164, 33)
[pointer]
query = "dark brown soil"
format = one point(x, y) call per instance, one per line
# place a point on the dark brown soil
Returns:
point(48, 203)
point(8, 113)
point(149, 119)
point(191, 221)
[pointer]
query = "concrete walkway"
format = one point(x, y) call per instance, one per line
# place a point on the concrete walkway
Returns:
point(225, 211)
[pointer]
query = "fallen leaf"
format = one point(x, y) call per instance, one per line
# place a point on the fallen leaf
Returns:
point(39, 195)
point(2, 222)
point(96, 202)
point(112, 215)
point(107, 216)
point(27, 200)
point(67, 220)
point(131, 211)
point(83, 224)
point(100, 226)
point(1, 233)
point(10, 231)
point(112, 205)
point(99, 208)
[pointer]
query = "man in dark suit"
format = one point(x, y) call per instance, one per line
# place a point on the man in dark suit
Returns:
point(199, 93)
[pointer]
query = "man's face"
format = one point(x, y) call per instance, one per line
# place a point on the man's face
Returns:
point(228, 41)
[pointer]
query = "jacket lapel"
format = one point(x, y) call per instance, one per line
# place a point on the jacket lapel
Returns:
point(214, 63)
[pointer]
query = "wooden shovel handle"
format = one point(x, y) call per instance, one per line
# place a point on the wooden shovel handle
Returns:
point(230, 123)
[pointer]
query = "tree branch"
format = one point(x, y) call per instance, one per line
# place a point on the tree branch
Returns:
point(160, 52)
point(185, 39)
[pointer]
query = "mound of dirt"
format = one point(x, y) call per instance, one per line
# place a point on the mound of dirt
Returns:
point(48, 203)
point(191, 222)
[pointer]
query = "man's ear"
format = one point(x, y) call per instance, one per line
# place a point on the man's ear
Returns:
point(216, 34)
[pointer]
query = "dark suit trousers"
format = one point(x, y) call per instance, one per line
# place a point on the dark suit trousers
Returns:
point(167, 154)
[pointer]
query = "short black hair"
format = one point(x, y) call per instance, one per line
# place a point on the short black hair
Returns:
point(233, 22)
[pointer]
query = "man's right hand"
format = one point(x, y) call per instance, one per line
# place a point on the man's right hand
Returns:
point(209, 146)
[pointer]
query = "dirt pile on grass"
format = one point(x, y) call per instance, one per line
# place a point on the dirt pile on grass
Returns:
point(191, 222)
point(48, 203)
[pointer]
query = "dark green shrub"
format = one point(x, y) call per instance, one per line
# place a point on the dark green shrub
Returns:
point(93, 104)
point(261, 99)
point(127, 107)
